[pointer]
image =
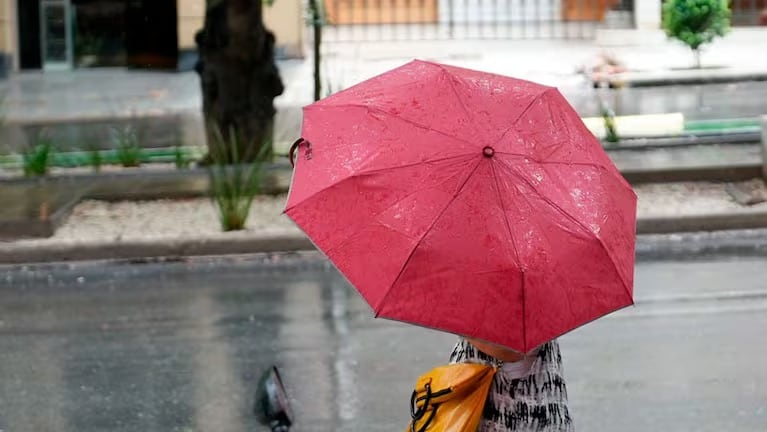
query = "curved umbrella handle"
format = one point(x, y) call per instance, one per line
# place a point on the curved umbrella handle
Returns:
point(294, 147)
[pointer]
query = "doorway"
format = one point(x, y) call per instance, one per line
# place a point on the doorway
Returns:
point(151, 34)
point(56, 34)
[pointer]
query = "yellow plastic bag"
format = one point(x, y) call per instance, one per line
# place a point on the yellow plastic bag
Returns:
point(450, 398)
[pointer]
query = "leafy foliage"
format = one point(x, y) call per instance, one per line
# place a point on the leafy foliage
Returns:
point(95, 160)
point(696, 22)
point(37, 158)
point(234, 182)
point(129, 151)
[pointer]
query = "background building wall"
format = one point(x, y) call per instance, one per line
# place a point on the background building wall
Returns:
point(8, 40)
point(284, 18)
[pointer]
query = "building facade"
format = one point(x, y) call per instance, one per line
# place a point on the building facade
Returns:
point(156, 34)
point(67, 34)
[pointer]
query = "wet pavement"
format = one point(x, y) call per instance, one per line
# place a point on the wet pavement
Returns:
point(179, 346)
point(78, 109)
point(696, 102)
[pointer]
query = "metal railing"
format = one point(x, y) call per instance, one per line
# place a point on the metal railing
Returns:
point(370, 20)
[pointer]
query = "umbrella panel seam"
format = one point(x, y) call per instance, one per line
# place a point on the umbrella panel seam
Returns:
point(620, 179)
point(424, 162)
point(516, 254)
point(380, 304)
point(406, 196)
point(556, 207)
point(449, 75)
point(598, 237)
point(371, 172)
point(404, 119)
point(522, 114)
point(505, 217)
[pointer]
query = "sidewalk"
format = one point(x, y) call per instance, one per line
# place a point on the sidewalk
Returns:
point(555, 62)
point(171, 102)
point(80, 104)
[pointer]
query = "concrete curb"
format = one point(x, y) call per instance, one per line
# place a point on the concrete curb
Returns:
point(154, 249)
point(746, 219)
point(638, 79)
point(296, 241)
point(656, 143)
point(732, 173)
point(693, 245)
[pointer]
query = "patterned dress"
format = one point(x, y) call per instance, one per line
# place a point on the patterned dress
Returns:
point(527, 396)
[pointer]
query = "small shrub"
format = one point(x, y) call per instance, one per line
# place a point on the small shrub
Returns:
point(696, 22)
point(180, 157)
point(37, 158)
point(611, 133)
point(129, 152)
point(234, 184)
point(95, 159)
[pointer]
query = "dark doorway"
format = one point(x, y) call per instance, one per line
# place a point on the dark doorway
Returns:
point(99, 34)
point(30, 56)
point(151, 34)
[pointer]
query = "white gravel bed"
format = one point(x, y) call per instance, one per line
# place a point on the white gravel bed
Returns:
point(98, 221)
point(686, 198)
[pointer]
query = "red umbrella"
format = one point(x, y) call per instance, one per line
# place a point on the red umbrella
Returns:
point(467, 202)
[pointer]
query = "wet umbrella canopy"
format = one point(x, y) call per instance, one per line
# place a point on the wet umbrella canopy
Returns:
point(467, 202)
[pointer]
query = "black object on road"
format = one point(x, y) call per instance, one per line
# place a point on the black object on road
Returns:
point(272, 408)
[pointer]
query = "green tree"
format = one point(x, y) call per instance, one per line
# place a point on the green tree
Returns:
point(696, 22)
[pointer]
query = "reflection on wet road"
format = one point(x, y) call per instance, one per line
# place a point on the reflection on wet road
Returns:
point(180, 346)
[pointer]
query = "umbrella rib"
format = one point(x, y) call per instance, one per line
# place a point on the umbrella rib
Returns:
point(549, 162)
point(620, 179)
point(391, 168)
point(414, 192)
point(377, 308)
point(522, 114)
point(555, 162)
point(375, 171)
point(505, 216)
point(404, 119)
point(455, 92)
point(548, 239)
point(604, 246)
point(516, 253)
point(577, 222)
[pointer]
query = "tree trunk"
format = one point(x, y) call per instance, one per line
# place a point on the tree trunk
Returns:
point(239, 79)
point(697, 57)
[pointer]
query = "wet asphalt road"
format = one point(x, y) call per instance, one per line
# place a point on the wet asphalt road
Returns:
point(179, 347)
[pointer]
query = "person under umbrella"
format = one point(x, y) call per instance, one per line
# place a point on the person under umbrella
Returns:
point(476, 204)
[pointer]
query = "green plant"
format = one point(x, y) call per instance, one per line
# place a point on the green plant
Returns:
point(611, 133)
point(129, 152)
point(234, 185)
point(95, 160)
point(94, 157)
point(180, 157)
point(696, 22)
point(37, 158)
